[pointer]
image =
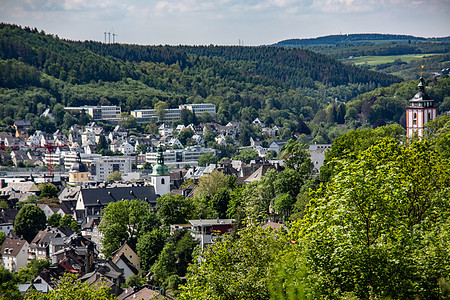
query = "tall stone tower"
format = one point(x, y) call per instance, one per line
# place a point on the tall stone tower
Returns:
point(160, 176)
point(420, 111)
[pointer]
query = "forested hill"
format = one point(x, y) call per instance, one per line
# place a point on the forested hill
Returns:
point(39, 70)
point(357, 38)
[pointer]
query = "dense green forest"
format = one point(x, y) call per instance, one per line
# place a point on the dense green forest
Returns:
point(289, 88)
point(39, 70)
point(355, 39)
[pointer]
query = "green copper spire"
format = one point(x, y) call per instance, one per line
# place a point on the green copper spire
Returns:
point(160, 168)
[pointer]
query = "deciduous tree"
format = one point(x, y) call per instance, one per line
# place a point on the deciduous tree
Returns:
point(29, 221)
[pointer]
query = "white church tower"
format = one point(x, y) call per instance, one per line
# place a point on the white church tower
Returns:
point(420, 111)
point(160, 177)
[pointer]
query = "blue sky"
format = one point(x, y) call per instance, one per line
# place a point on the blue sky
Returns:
point(225, 22)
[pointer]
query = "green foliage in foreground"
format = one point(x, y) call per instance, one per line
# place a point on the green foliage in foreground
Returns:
point(234, 269)
point(8, 285)
point(70, 288)
point(32, 270)
point(378, 229)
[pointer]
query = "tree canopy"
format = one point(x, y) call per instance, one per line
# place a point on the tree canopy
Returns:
point(29, 220)
point(125, 220)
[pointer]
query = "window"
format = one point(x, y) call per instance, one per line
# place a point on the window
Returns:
point(163, 181)
point(414, 119)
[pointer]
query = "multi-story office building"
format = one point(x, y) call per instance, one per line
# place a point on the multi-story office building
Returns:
point(170, 156)
point(180, 157)
point(100, 167)
point(146, 115)
point(172, 114)
point(99, 113)
point(199, 108)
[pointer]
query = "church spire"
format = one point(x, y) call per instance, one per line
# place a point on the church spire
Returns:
point(160, 168)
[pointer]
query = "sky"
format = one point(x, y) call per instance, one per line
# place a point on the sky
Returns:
point(226, 22)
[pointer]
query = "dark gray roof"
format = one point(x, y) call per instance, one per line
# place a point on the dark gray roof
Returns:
point(104, 196)
point(129, 264)
point(8, 215)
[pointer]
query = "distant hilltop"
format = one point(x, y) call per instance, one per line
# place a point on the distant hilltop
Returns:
point(356, 38)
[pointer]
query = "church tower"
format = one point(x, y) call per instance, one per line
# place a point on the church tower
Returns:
point(420, 111)
point(160, 176)
point(78, 171)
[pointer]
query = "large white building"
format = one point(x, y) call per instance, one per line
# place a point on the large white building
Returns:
point(100, 167)
point(180, 157)
point(172, 114)
point(146, 115)
point(99, 112)
point(199, 108)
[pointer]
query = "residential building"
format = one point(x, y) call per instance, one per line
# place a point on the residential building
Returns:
point(7, 217)
point(91, 201)
point(47, 242)
point(317, 155)
point(205, 231)
point(22, 127)
point(165, 129)
point(14, 254)
point(277, 145)
point(127, 251)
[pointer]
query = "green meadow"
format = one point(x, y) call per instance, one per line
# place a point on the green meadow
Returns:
point(377, 60)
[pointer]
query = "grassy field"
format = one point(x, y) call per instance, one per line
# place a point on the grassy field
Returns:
point(377, 60)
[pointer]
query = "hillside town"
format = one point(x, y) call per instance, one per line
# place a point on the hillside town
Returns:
point(67, 181)
point(143, 167)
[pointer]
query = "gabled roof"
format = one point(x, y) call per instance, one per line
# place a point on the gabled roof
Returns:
point(260, 172)
point(47, 235)
point(8, 215)
point(23, 187)
point(104, 196)
point(128, 264)
point(144, 293)
point(12, 246)
point(114, 254)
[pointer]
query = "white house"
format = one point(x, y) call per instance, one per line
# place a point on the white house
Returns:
point(15, 254)
point(165, 129)
point(126, 148)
